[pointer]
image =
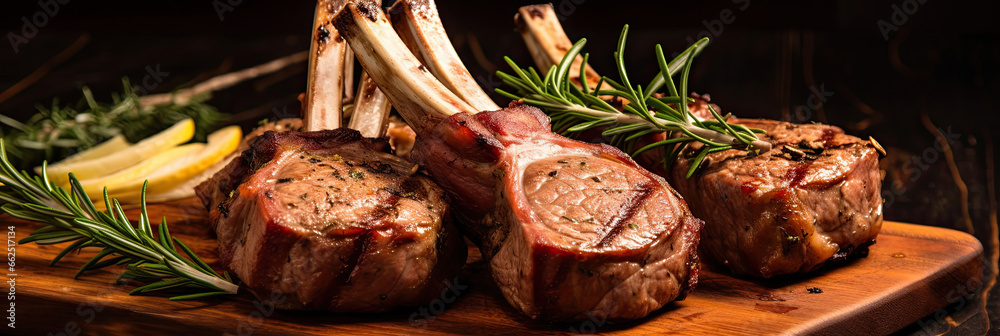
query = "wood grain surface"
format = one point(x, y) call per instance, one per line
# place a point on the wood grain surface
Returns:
point(910, 273)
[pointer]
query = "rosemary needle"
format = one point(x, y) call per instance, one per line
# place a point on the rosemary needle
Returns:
point(576, 109)
point(72, 217)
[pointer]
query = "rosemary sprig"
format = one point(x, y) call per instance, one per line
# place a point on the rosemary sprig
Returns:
point(58, 131)
point(576, 109)
point(72, 217)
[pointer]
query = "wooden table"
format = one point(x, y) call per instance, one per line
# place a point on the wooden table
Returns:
point(910, 273)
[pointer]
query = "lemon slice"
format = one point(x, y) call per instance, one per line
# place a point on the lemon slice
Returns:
point(108, 147)
point(107, 164)
point(180, 191)
point(170, 175)
point(95, 187)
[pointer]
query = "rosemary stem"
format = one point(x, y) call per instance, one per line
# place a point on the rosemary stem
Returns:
point(701, 132)
point(218, 283)
point(577, 109)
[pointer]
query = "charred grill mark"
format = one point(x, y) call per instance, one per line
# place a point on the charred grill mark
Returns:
point(626, 212)
point(351, 262)
point(544, 280)
point(378, 167)
point(561, 273)
point(364, 244)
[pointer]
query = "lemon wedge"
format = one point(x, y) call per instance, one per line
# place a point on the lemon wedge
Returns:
point(180, 191)
point(95, 187)
point(115, 161)
point(179, 170)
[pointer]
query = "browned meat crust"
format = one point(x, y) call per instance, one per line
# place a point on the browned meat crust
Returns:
point(814, 197)
point(331, 220)
point(569, 229)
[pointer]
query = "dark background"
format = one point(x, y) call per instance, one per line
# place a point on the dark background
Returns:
point(938, 70)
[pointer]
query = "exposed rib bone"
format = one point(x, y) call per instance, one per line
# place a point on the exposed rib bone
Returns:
point(324, 88)
point(419, 25)
point(348, 75)
point(547, 42)
point(371, 109)
point(411, 88)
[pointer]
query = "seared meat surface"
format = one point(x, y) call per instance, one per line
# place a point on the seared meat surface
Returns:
point(813, 198)
point(332, 221)
point(569, 229)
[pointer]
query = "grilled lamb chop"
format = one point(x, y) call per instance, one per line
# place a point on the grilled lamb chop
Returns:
point(330, 219)
point(813, 197)
point(569, 229)
point(334, 222)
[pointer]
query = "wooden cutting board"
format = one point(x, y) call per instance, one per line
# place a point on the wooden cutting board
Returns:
point(911, 272)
